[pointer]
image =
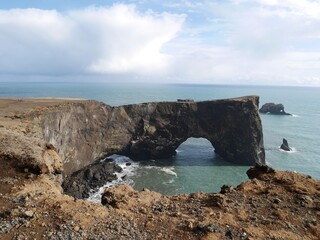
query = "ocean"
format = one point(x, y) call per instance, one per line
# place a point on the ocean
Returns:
point(196, 167)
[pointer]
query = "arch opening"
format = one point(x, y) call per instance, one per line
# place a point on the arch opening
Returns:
point(195, 151)
point(195, 167)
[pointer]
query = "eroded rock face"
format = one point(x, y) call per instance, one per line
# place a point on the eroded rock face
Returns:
point(232, 126)
point(32, 155)
point(272, 205)
point(85, 131)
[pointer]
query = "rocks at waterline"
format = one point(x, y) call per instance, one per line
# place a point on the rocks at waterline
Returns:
point(185, 100)
point(93, 176)
point(285, 145)
point(272, 108)
point(259, 170)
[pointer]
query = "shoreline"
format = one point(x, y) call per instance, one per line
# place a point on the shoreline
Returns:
point(273, 204)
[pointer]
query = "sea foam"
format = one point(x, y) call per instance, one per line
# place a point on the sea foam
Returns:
point(167, 170)
point(293, 150)
point(128, 167)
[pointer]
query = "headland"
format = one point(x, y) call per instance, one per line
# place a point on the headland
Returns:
point(44, 140)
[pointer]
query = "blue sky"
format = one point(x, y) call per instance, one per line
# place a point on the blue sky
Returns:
point(267, 42)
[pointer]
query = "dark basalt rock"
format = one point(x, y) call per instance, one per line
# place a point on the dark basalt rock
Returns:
point(258, 170)
point(185, 100)
point(226, 189)
point(272, 108)
point(285, 146)
point(91, 177)
point(88, 131)
point(232, 126)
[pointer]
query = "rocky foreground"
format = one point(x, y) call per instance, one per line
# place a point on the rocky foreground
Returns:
point(271, 205)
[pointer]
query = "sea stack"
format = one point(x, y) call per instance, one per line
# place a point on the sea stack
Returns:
point(285, 146)
point(272, 108)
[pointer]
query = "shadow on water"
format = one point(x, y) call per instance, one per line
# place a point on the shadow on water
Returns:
point(194, 168)
point(192, 152)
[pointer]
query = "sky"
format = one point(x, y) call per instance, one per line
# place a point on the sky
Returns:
point(250, 42)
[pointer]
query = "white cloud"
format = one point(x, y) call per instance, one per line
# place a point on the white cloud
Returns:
point(235, 41)
point(264, 42)
point(117, 39)
point(305, 8)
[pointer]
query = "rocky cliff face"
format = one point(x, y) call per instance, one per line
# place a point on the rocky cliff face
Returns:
point(88, 130)
point(271, 205)
point(232, 126)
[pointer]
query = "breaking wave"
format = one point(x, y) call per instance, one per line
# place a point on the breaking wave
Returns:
point(167, 170)
point(293, 150)
point(128, 167)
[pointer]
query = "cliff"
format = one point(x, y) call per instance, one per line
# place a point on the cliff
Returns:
point(88, 130)
point(38, 137)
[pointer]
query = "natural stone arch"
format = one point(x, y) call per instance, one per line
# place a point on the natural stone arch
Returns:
point(232, 126)
point(195, 147)
point(85, 131)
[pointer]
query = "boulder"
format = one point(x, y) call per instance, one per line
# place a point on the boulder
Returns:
point(285, 146)
point(95, 175)
point(259, 170)
point(272, 108)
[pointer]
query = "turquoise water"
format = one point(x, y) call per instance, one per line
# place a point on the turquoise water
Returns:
point(196, 167)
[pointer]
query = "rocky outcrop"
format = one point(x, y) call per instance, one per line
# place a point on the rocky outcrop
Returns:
point(30, 155)
point(271, 205)
point(90, 178)
point(88, 130)
point(272, 108)
point(258, 170)
point(285, 145)
point(74, 133)
point(232, 126)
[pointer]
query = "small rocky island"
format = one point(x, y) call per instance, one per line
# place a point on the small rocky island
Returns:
point(285, 145)
point(44, 141)
point(272, 108)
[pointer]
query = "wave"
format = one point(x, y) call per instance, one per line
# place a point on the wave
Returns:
point(169, 182)
point(293, 149)
point(167, 170)
point(124, 177)
point(294, 115)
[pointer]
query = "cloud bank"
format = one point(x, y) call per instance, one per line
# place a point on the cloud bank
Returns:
point(273, 42)
point(259, 42)
point(114, 40)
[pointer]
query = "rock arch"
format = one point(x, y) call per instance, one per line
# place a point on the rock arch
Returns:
point(195, 152)
point(232, 126)
point(88, 130)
